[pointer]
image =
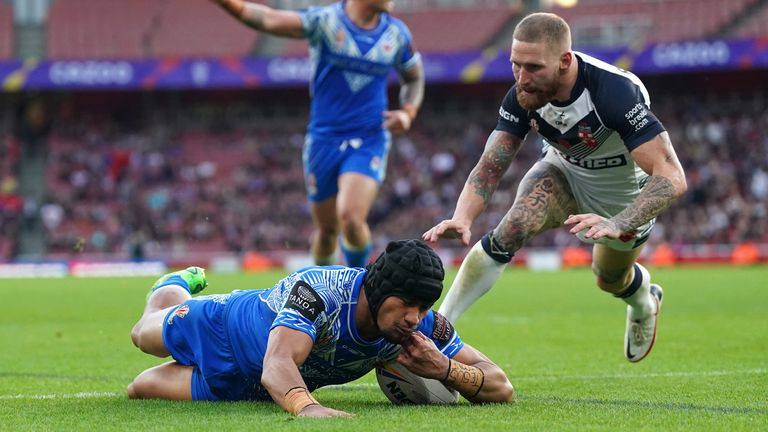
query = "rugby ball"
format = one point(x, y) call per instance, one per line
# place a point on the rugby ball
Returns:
point(402, 386)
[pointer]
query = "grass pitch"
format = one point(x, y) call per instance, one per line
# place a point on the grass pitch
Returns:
point(66, 358)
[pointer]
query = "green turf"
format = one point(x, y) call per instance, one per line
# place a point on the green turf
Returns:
point(66, 358)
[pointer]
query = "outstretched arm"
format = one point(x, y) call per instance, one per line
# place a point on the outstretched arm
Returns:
point(264, 18)
point(469, 372)
point(287, 349)
point(500, 149)
point(666, 183)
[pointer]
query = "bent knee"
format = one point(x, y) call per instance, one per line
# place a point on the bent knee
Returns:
point(612, 281)
point(136, 389)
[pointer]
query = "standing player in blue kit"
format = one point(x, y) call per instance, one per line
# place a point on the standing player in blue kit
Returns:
point(608, 169)
point(319, 326)
point(353, 45)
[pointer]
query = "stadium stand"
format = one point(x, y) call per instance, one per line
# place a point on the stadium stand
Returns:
point(6, 31)
point(600, 21)
point(11, 202)
point(164, 182)
point(447, 29)
point(450, 30)
point(198, 28)
point(756, 25)
point(143, 28)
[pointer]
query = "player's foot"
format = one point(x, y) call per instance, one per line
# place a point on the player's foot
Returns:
point(191, 278)
point(641, 334)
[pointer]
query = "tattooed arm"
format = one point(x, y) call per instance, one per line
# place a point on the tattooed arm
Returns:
point(666, 183)
point(264, 18)
point(500, 149)
point(411, 96)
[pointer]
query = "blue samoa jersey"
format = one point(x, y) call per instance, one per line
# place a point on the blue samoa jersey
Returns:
point(321, 302)
point(350, 69)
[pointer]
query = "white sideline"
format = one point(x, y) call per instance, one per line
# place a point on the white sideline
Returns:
point(89, 395)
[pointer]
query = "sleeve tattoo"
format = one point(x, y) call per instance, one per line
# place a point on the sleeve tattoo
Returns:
point(500, 149)
point(656, 196)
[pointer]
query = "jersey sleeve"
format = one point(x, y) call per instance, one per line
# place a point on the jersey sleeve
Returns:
point(306, 308)
point(512, 117)
point(407, 56)
point(311, 19)
point(437, 327)
point(624, 106)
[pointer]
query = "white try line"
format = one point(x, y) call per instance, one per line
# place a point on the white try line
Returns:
point(82, 395)
point(643, 375)
point(93, 395)
point(516, 378)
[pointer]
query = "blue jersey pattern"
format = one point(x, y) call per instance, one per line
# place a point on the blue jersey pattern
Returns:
point(350, 69)
point(339, 354)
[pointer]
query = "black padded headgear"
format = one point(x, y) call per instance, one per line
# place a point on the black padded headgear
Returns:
point(408, 269)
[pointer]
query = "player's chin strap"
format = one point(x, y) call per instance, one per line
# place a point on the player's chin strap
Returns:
point(468, 380)
point(298, 398)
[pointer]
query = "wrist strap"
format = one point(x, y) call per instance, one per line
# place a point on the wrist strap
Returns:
point(298, 398)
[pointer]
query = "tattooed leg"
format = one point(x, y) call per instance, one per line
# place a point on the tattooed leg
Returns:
point(544, 199)
point(613, 268)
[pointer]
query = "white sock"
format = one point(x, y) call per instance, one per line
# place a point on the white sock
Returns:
point(476, 276)
point(641, 302)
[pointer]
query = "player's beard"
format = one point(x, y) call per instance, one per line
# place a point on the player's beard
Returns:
point(538, 96)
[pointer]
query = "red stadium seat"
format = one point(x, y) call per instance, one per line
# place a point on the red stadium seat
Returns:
point(756, 25)
point(143, 28)
point(667, 21)
point(440, 30)
point(6, 31)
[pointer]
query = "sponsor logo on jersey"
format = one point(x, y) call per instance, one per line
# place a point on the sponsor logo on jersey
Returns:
point(442, 331)
point(507, 116)
point(586, 136)
point(181, 312)
point(637, 116)
point(560, 120)
point(596, 164)
point(375, 163)
point(305, 300)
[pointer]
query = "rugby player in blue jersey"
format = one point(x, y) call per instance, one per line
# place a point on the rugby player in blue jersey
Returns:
point(608, 169)
point(353, 45)
point(319, 326)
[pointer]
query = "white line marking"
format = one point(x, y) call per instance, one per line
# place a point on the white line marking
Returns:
point(91, 395)
point(82, 395)
point(515, 378)
point(644, 375)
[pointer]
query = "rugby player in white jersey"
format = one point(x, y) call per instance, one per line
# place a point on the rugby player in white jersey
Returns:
point(607, 171)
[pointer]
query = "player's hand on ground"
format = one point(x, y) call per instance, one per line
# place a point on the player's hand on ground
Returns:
point(421, 356)
point(449, 229)
point(397, 121)
point(597, 226)
point(321, 411)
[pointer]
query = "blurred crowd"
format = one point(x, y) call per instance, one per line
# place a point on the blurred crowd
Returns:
point(209, 178)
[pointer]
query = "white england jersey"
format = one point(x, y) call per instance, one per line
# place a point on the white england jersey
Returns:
point(590, 137)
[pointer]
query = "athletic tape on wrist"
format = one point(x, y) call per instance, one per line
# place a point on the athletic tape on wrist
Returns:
point(298, 398)
point(468, 380)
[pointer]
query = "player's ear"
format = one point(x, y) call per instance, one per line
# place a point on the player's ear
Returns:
point(565, 60)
